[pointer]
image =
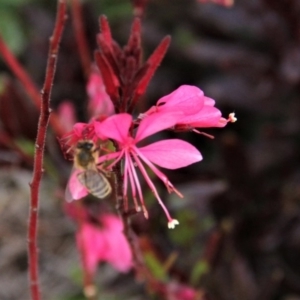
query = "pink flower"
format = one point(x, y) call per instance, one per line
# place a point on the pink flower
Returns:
point(100, 106)
point(100, 103)
point(207, 116)
point(170, 154)
point(197, 110)
point(104, 243)
point(186, 99)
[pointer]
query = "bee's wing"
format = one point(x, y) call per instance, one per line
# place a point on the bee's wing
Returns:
point(95, 182)
point(75, 189)
point(68, 194)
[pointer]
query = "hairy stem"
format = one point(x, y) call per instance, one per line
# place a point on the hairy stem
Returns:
point(39, 150)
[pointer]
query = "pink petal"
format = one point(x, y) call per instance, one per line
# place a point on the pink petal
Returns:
point(209, 101)
point(95, 85)
point(121, 260)
point(171, 154)
point(112, 222)
point(115, 127)
point(187, 98)
point(91, 241)
point(100, 103)
point(75, 190)
point(155, 123)
point(209, 116)
point(67, 115)
point(222, 122)
point(78, 128)
point(120, 256)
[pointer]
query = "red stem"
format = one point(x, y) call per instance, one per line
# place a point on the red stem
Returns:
point(39, 149)
point(84, 53)
point(27, 83)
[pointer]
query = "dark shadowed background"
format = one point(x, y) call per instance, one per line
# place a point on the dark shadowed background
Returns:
point(239, 233)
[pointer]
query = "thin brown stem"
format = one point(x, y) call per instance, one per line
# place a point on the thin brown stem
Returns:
point(39, 149)
point(84, 53)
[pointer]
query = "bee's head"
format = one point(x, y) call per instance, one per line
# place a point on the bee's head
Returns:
point(85, 145)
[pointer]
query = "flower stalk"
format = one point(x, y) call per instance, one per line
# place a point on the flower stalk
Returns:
point(39, 150)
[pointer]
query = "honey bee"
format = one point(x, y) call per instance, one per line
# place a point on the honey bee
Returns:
point(85, 158)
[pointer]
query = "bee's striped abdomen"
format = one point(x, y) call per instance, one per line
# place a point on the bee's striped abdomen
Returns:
point(95, 182)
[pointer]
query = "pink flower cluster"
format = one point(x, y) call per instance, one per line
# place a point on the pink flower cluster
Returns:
point(104, 244)
point(185, 109)
point(100, 240)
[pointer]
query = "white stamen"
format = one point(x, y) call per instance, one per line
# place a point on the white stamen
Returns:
point(173, 223)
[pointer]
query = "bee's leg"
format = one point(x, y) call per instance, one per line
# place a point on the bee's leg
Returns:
point(107, 173)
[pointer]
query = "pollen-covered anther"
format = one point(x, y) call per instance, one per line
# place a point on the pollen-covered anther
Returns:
point(232, 118)
point(172, 223)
